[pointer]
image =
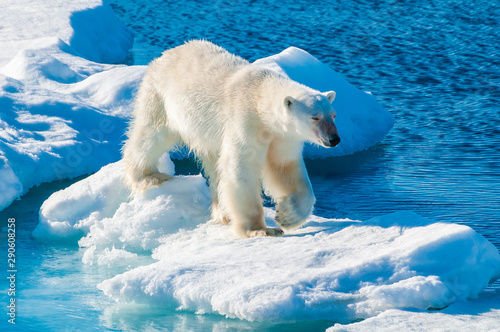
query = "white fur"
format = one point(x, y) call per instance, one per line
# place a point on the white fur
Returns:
point(245, 123)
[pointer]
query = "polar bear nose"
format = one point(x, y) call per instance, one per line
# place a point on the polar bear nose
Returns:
point(334, 140)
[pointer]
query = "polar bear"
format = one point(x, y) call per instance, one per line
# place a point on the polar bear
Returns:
point(245, 123)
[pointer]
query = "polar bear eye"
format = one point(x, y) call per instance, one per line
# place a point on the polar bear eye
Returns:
point(315, 118)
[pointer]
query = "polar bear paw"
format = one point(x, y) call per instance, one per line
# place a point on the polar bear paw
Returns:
point(151, 180)
point(292, 214)
point(156, 179)
point(287, 219)
point(265, 232)
point(218, 215)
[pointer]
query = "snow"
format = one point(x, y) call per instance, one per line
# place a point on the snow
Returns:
point(482, 314)
point(340, 270)
point(65, 105)
point(89, 27)
point(63, 115)
point(70, 212)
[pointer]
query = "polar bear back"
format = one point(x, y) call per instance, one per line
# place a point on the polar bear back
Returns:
point(193, 80)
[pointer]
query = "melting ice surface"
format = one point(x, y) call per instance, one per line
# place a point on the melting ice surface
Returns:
point(340, 270)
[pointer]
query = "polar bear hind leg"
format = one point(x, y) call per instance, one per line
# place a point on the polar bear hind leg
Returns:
point(148, 138)
point(141, 153)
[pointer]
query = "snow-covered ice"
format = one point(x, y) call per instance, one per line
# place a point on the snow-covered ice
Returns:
point(482, 314)
point(341, 270)
point(89, 27)
point(63, 115)
point(65, 107)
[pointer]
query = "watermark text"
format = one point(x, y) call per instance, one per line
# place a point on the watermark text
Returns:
point(12, 271)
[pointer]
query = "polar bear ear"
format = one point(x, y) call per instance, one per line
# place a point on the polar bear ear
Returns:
point(331, 96)
point(288, 102)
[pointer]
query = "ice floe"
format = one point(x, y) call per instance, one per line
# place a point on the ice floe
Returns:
point(341, 270)
point(63, 114)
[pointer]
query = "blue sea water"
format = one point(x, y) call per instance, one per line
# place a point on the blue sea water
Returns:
point(434, 64)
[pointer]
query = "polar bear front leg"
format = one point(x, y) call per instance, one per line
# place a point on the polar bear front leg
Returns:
point(289, 185)
point(240, 191)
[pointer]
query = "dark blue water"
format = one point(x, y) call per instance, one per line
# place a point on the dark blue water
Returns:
point(433, 64)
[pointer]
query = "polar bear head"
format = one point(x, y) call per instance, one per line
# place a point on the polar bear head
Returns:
point(312, 117)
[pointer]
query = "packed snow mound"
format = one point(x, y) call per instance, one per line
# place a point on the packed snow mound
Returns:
point(60, 118)
point(326, 270)
point(62, 114)
point(341, 270)
point(89, 27)
point(361, 121)
point(70, 213)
